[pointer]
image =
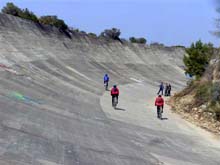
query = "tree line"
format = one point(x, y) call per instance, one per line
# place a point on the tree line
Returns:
point(12, 9)
point(53, 20)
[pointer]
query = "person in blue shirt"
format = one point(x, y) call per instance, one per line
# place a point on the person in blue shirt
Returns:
point(106, 80)
point(161, 88)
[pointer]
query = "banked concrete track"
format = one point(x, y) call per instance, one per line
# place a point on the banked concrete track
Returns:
point(54, 110)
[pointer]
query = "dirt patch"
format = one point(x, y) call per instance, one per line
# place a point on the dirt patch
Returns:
point(196, 115)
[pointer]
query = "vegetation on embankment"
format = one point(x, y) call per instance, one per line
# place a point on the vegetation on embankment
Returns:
point(197, 58)
point(54, 21)
point(199, 102)
point(138, 40)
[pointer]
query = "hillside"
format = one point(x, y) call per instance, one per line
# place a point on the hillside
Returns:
point(199, 101)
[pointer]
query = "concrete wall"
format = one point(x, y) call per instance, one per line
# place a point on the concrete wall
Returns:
point(49, 94)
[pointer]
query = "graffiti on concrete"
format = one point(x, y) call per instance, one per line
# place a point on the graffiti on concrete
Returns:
point(20, 97)
point(4, 66)
point(9, 69)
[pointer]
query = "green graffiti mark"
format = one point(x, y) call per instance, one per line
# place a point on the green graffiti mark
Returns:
point(20, 97)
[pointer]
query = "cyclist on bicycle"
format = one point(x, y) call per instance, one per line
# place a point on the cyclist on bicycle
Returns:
point(114, 93)
point(106, 80)
point(159, 102)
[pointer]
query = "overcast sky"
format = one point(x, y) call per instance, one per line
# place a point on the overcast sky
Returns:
point(172, 22)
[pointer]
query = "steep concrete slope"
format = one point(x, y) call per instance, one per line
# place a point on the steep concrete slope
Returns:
point(53, 110)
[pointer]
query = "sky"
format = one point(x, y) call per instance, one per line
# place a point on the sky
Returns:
point(171, 22)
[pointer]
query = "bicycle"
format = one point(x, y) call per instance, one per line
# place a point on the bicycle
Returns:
point(160, 112)
point(115, 102)
point(106, 86)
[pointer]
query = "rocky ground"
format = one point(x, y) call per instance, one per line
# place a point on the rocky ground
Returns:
point(196, 115)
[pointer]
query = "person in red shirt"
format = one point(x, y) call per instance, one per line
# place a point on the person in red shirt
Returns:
point(159, 102)
point(114, 93)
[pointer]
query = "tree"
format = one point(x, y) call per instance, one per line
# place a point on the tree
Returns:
point(197, 58)
point(102, 34)
point(133, 39)
point(111, 33)
point(82, 32)
point(157, 44)
point(11, 9)
point(26, 14)
point(142, 40)
point(54, 21)
point(73, 30)
point(92, 35)
point(138, 40)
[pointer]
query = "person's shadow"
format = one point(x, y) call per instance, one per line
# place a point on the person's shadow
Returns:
point(120, 109)
point(164, 118)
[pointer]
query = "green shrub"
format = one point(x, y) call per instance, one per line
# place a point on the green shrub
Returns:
point(83, 32)
point(218, 66)
point(11, 9)
point(133, 39)
point(113, 33)
point(215, 92)
point(157, 44)
point(54, 21)
point(214, 105)
point(203, 92)
point(138, 40)
point(73, 30)
point(190, 87)
point(197, 58)
point(92, 35)
point(209, 93)
point(142, 40)
point(26, 14)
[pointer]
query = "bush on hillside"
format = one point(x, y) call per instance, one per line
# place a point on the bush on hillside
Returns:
point(142, 40)
point(73, 30)
point(157, 44)
point(132, 39)
point(179, 46)
point(54, 21)
point(82, 32)
point(111, 33)
point(190, 87)
point(26, 14)
point(197, 58)
point(11, 9)
point(138, 40)
point(203, 92)
point(215, 92)
point(92, 35)
point(208, 93)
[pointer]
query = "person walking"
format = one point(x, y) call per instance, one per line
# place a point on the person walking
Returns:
point(169, 90)
point(166, 89)
point(161, 88)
